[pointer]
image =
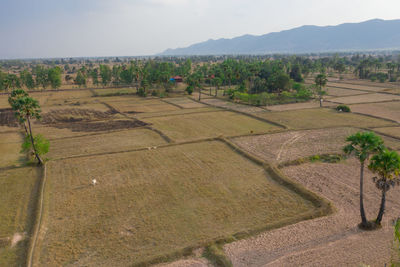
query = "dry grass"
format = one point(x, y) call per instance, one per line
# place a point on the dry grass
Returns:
point(393, 131)
point(206, 125)
point(114, 91)
point(184, 102)
point(233, 106)
point(387, 110)
point(148, 105)
point(104, 143)
point(296, 106)
point(364, 86)
point(18, 189)
point(367, 98)
point(333, 91)
point(4, 101)
point(289, 146)
point(154, 203)
point(10, 146)
point(173, 112)
point(321, 118)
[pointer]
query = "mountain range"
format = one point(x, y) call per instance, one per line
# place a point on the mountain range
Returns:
point(370, 35)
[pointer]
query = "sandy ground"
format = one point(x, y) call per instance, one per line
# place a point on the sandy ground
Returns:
point(387, 110)
point(333, 240)
point(369, 98)
point(288, 146)
point(295, 106)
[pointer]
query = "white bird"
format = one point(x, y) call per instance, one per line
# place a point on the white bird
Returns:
point(94, 182)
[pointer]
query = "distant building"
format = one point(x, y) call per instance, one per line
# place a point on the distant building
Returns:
point(177, 79)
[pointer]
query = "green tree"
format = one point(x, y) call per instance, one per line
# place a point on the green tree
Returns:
point(362, 145)
point(105, 74)
point(54, 77)
point(80, 79)
point(27, 79)
point(42, 145)
point(27, 108)
point(387, 165)
point(320, 82)
point(12, 100)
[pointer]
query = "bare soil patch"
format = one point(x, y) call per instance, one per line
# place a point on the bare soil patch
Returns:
point(387, 110)
point(329, 241)
point(289, 146)
point(7, 118)
point(154, 203)
point(296, 106)
point(98, 126)
point(367, 98)
point(75, 115)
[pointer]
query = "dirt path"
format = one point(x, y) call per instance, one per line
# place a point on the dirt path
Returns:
point(328, 241)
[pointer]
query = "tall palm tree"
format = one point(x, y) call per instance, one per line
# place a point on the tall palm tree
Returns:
point(362, 145)
point(12, 100)
point(320, 82)
point(387, 165)
point(27, 108)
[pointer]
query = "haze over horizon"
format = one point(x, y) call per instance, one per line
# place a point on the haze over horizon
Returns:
point(89, 28)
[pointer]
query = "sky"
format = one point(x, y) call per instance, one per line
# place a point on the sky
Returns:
point(89, 28)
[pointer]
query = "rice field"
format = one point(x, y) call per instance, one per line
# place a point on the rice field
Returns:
point(150, 208)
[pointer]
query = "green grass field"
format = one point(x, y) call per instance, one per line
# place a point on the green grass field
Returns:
point(151, 204)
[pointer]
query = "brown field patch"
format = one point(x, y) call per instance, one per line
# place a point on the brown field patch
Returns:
point(365, 86)
point(173, 112)
point(100, 126)
point(206, 125)
point(296, 106)
point(184, 102)
point(387, 110)
point(150, 105)
point(232, 106)
point(10, 147)
point(7, 118)
point(321, 118)
point(334, 240)
point(75, 115)
point(393, 131)
point(146, 206)
point(368, 98)
point(4, 102)
point(333, 91)
point(104, 143)
point(289, 146)
point(18, 189)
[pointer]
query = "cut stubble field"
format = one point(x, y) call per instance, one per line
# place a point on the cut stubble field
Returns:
point(322, 118)
point(156, 204)
point(189, 127)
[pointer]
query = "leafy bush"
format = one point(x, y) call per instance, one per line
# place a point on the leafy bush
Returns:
point(189, 89)
point(42, 145)
point(343, 108)
point(142, 92)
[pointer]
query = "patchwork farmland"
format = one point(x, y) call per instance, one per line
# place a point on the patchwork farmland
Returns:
point(180, 181)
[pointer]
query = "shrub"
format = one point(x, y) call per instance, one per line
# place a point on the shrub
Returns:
point(142, 92)
point(343, 108)
point(189, 89)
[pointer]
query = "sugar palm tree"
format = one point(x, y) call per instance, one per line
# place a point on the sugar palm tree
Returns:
point(27, 108)
point(320, 82)
point(362, 145)
point(387, 165)
point(16, 94)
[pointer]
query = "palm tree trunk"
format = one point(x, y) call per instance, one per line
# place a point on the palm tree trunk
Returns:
point(382, 208)
point(362, 211)
point(199, 93)
point(33, 143)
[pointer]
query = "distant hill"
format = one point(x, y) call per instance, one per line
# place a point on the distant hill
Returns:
point(369, 35)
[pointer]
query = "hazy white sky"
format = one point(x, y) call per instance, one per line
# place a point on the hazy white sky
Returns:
point(70, 28)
